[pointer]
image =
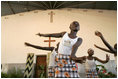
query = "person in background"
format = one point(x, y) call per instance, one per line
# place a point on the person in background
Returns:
point(112, 50)
point(54, 51)
point(90, 65)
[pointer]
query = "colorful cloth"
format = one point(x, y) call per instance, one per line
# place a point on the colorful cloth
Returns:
point(91, 73)
point(76, 66)
point(64, 68)
point(51, 72)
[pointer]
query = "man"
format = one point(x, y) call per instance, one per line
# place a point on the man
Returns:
point(65, 68)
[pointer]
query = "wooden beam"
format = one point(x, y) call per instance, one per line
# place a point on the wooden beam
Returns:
point(61, 4)
point(40, 5)
point(44, 2)
point(49, 41)
point(54, 4)
point(94, 5)
point(110, 6)
point(11, 8)
point(50, 4)
point(27, 6)
point(81, 4)
point(69, 3)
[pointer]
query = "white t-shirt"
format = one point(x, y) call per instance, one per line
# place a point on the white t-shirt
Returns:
point(66, 44)
point(90, 64)
point(52, 58)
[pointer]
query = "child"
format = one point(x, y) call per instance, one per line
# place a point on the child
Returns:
point(90, 65)
point(51, 65)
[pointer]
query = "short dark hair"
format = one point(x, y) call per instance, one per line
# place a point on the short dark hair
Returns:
point(76, 23)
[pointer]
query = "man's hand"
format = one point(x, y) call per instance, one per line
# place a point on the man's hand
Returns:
point(97, 33)
point(95, 45)
point(71, 58)
point(39, 34)
point(27, 44)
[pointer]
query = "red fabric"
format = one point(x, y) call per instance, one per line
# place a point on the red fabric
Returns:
point(77, 66)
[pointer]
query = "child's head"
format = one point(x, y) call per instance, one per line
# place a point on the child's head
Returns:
point(90, 52)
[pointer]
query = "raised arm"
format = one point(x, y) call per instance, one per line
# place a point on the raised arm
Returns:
point(99, 34)
point(75, 47)
point(57, 35)
point(102, 61)
point(39, 47)
point(104, 49)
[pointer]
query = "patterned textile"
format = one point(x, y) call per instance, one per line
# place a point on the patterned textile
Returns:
point(64, 68)
point(76, 66)
point(51, 72)
point(91, 73)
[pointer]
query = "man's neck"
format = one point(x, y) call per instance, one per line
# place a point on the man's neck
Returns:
point(72, 33)
point(90, 56)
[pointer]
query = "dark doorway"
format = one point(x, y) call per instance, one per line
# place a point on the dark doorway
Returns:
point(40, 71)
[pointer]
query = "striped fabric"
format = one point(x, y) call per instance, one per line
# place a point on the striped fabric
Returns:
point(29, 65)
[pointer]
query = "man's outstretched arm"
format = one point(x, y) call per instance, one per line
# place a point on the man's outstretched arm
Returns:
point(39, 47)
point(97, 33)
point(104, 49)
point(57, 35)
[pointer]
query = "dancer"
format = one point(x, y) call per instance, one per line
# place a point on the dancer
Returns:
point(90, 65)
point(65, 66)
point(111, 49)
point(54, 51)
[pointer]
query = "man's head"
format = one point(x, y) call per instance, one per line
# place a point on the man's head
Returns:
point(90, 52)
point(74, 26)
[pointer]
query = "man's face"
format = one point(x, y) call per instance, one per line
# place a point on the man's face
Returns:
point(74, 27)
